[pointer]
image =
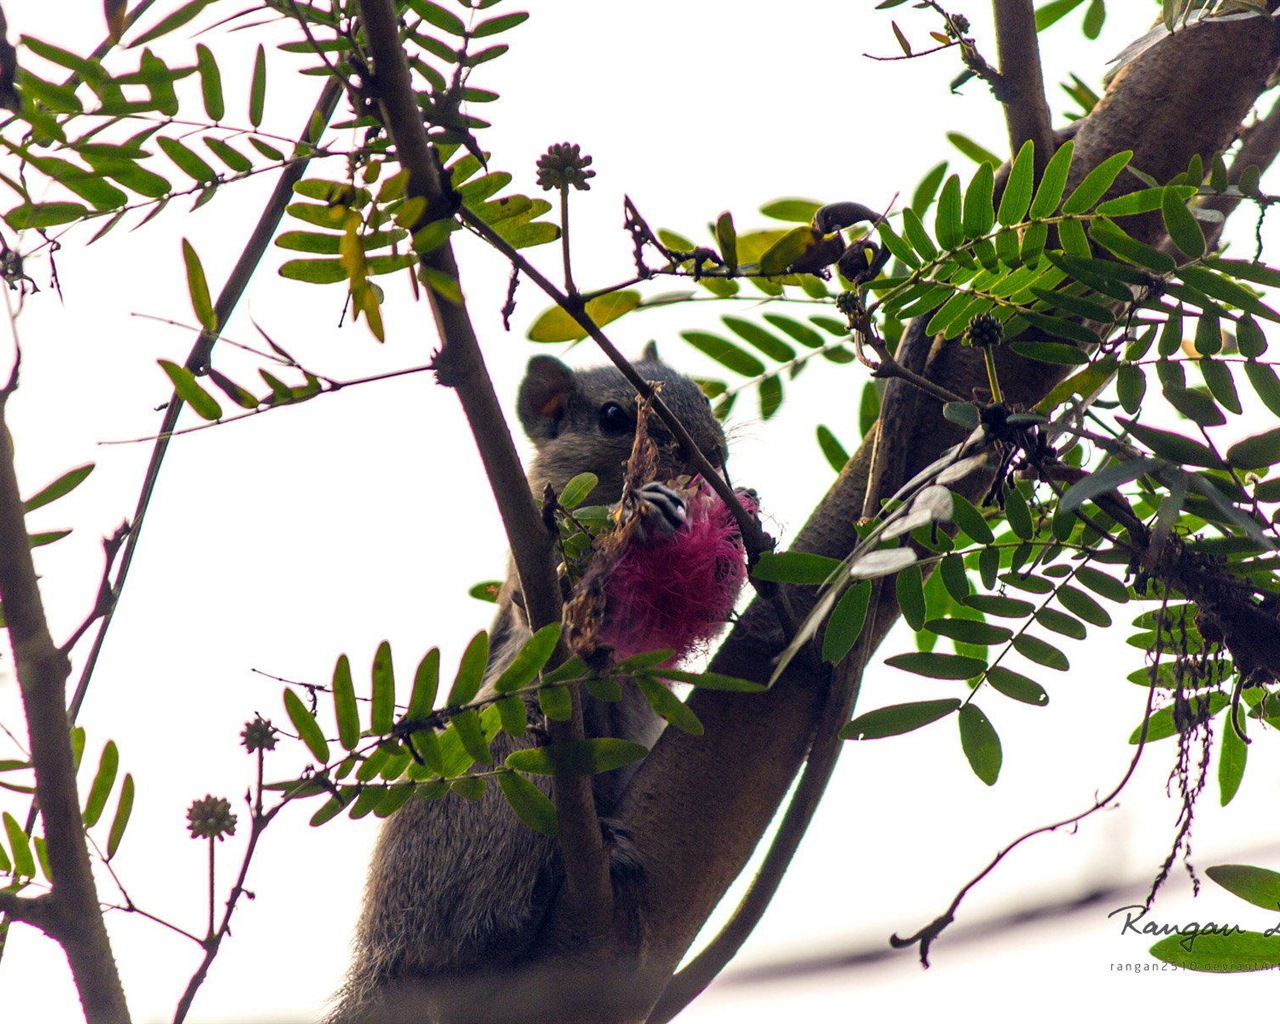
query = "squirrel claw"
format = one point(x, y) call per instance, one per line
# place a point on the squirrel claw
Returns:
point(661, 507)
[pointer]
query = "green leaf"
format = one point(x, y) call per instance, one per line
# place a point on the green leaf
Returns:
point(1249, 337)
point(1174, 447)
point(24, 864)
point(210, 82)
point(796, 211)
point(832, 449)
point(772, 346)
point(1217, 375)
point(998, 604)
point(1259, 886)
point(44, 215)
point(1226, 290)
point(1265, 384)
point(120, 821)
point(979, 215)
point(846, 621)
point(187, 160)
point(1220, 954)
point(1017, 189)
point(382, 705)
point(171, 22)
point(495, 26)
point(188, 390)
point(1018, 514)
point(1112, 237)
point(1062, 623)
point(1232, 758)
point(770, 396)
point(1050, 352)
point(198, 288)
point(1131, 386)
point(531, 805)
point(1107, 479)
point(1042, 653)
point(103, 781)
point(233, 158)
point(979, 154)
point(65, 484)
point(938, 666)
point(1256, 452)
point(557, 325)
point(344, 704)
point(927, 190)
point(426, 682)
point(529, 660)
point(1183, 228)
point(668, 706)
point(909, 588)
point(1161, 724)
point(897, 719)
point(1100, 583)
point(970, 520)
point(1052, 183)
point(471, 734)
point(438, 16)
point(725, 353)
point(580, 757)
point(1080, 604)
point(1195, 405)
point(727, 239)
point(576, 490)
point(795, 567)
point(980, 743)
point(305, 723)
point(1016, 685)
point(471, 668)
point(1096, 183)
point(802, 333)
point(948, 226)
point(970, 631)
point(258, 88)
point(705, 680)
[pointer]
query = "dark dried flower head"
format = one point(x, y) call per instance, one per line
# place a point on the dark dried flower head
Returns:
point(259, 734)
point(211, 818)
point(984, 330)
point(563, 165)
point(959, 26)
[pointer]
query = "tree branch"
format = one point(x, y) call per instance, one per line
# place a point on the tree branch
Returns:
point(694, 795)
point(75, 917)
point(587, 887)
point(198, 361)
point(1026, 111)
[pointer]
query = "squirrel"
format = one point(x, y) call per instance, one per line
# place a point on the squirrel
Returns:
point(458, 888)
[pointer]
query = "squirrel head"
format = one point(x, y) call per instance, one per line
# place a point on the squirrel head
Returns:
point(583, 421)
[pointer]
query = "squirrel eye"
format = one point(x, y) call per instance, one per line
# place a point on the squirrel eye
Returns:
point(614, 419)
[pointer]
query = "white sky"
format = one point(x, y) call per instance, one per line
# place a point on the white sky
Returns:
point(279, 543)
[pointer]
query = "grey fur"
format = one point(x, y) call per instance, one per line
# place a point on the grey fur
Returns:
point(458, 889)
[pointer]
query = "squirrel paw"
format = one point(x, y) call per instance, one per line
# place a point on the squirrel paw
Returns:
point(663, 509)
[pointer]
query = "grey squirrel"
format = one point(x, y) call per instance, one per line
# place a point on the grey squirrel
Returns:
point(458, 888)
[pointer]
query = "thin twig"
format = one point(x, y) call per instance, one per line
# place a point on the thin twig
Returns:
point(198, 359)
point(460, 364)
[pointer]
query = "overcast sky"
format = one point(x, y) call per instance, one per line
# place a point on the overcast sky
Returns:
point(276, 544)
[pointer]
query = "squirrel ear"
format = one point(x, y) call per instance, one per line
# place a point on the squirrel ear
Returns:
point(544, 397)
point(650, 353)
